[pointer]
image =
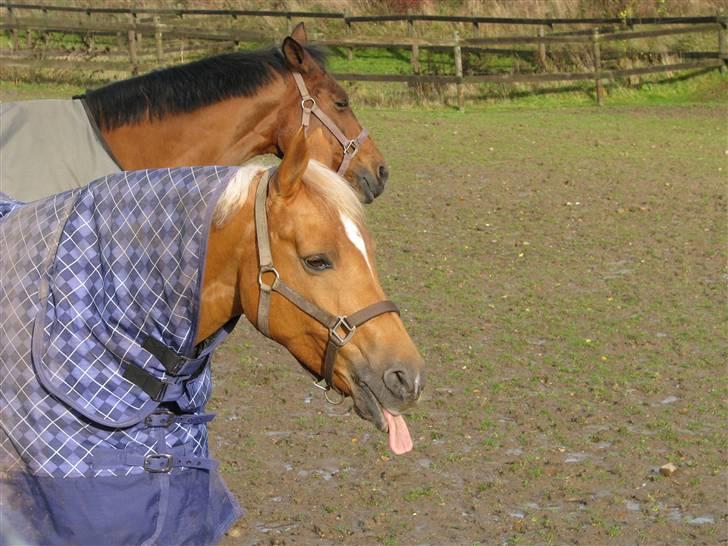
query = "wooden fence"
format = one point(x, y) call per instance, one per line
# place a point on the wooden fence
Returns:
point(164, 24)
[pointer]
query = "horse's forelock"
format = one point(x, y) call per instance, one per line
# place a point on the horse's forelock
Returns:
point(334, 190)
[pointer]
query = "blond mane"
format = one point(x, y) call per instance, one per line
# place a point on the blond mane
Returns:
point(329, 186)
point(236, 193)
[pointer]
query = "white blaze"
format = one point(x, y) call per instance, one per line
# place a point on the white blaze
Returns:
point(354, 235)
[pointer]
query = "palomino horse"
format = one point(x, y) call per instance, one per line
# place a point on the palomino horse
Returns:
point(222, 110)
point(121, 290)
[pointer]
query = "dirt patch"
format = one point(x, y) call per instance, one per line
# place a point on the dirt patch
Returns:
point(562, 273)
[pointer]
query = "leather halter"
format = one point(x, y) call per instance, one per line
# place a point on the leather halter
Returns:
point(341, 328)
point(309, 106)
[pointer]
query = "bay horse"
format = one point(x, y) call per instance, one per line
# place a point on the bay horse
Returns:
point(221, 110)
point(117, 295)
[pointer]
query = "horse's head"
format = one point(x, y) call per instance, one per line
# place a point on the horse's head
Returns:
point(318, 100)
point(308, 280)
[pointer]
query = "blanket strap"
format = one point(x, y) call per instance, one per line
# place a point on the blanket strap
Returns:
point(151, 462)
point(155, 388)
point(171, 361)
point(165, 419)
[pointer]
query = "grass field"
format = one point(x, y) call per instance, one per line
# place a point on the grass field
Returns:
point(563, 272)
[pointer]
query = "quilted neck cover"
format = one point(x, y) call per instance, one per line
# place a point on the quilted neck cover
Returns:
point(128, 266)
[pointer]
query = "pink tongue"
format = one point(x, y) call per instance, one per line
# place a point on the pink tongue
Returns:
point(400, 441)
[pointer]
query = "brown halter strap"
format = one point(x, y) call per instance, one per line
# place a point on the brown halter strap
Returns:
point(309, 106)
point(341, 328)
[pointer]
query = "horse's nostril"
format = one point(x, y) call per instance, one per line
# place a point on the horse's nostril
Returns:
point(402, 382)
point(382, 174)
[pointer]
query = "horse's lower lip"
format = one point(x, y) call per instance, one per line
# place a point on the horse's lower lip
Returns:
point(362, 393)
point(366, 188)
point(367, 194)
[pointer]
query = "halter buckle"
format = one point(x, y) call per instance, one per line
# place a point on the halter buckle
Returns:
point(351, 147)
point(310, 99)
point(267, 269)
point(348, 329)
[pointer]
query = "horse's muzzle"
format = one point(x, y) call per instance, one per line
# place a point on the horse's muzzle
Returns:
point(370, 184)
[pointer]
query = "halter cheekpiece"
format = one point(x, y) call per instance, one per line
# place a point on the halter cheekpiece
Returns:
point(309, 106)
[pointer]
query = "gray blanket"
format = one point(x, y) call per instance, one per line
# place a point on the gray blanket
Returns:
point(49, 146)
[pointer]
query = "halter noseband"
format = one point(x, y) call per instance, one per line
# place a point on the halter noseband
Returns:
point(341, 328)
point(309, 106)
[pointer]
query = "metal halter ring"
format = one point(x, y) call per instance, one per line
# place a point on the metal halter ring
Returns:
point(346, 327)
point(351, 147)
point(267, 269)
point(303, 103)
point(327, 390)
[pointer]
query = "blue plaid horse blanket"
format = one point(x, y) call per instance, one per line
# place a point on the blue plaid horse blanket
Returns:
point(103, 436)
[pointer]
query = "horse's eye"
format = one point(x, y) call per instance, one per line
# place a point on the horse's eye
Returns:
point(317, 262)
point(342, 103)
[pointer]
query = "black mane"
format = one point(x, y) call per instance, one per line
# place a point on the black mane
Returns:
point(187, 87)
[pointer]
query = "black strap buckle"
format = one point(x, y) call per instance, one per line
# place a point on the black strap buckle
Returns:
point(159, 419)
point(158, 462)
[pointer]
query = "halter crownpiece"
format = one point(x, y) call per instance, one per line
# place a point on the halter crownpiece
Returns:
point(309, 106)
point(341, 328)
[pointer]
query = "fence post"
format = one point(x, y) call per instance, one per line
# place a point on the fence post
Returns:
point(597, 66)
point(14, 31)
point(541, 47)
point(28, 38)
point(137, 35)
point(89, 36)
point(131, 39)
point(722, 41)
point(459, 72)
point(349, 32)
point(45, 36)
point(45, 44)
point(158, 39)
point(415, 58)
point(476, 29)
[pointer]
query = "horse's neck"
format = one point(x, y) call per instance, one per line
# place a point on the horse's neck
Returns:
point(225, 133)
point(229, 249)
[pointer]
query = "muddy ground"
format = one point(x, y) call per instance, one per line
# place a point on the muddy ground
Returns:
point(563, 274)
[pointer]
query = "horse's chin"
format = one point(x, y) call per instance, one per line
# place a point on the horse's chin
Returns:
point(368, 407)
point(385, 415)
point(366, 185)
point(363, 192)
point(387, 419)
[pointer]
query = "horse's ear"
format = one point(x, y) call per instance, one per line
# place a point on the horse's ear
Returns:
point(299, 33)
point(294, 164)
point(297, 58)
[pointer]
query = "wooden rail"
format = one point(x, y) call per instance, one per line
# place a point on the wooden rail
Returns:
point(628, 21)
point(134, 26)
